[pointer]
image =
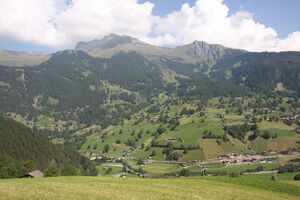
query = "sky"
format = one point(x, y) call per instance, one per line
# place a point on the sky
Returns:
point(52, 25)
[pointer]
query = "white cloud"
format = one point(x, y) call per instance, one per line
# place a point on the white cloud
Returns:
point(29, 21)
point(59, 24)
point(209, 21)
point(291, 43)
point(95, 18)
point(50, 23)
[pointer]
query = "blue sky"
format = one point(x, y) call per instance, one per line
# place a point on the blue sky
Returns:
point(12, 45)
point(54, 30)
point(282, 15)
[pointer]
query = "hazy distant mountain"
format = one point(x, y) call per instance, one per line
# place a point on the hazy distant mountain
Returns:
point(113, 44)
point(15, 58)
point(107, 42)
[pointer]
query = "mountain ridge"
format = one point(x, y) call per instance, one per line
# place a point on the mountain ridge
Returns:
point(112, 44)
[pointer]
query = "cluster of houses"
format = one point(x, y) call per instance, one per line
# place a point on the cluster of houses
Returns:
point(285, 117)
point(289, 117)
point(171, 139)
point(261, 110)
point(107, 159)
point(237, 158)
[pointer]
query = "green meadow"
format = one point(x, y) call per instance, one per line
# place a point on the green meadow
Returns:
point(136, 188)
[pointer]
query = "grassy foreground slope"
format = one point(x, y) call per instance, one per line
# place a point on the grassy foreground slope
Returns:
point(133, 188)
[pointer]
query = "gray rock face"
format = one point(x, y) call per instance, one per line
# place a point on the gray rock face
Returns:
point(199, 48)
point(202, 51)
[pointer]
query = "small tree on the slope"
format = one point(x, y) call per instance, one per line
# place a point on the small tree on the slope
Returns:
point(185, 172)
point(106, 148)
point(153, 153)
point(274, 178)
point(140, 161)
point(297, 177)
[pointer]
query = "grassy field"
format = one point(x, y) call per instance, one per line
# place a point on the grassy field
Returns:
point(135, 188)
point(102, 170)
point(245, 167)
point(159, 169)
point(155, 169)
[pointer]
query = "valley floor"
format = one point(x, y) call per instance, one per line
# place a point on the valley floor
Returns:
point(135, 188)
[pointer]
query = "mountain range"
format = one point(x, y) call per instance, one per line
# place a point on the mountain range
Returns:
point(105, 84)
point(145, 69)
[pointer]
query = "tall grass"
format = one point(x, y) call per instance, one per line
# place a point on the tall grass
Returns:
point(133, 188)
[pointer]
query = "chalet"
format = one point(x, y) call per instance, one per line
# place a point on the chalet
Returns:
point(93, 158)
point(33, 174)
point(145, 162)
point(183, 165)
point(195, 161)
point(240, 98)
point(172, 139)
point(226, 162)
point(146, 176)
point(119, 175)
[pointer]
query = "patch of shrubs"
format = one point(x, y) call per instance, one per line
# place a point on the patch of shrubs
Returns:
point(297, 177)
point(259, 168)
point(289, 168)
point(185, 172)
point(210, 135)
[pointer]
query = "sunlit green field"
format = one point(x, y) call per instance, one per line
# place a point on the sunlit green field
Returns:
point(135, 188)
point(190, 131)
point(245, 167)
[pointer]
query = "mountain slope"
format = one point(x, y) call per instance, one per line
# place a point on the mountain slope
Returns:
point(19, 145)
point(74, 79)
point(263, 71)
